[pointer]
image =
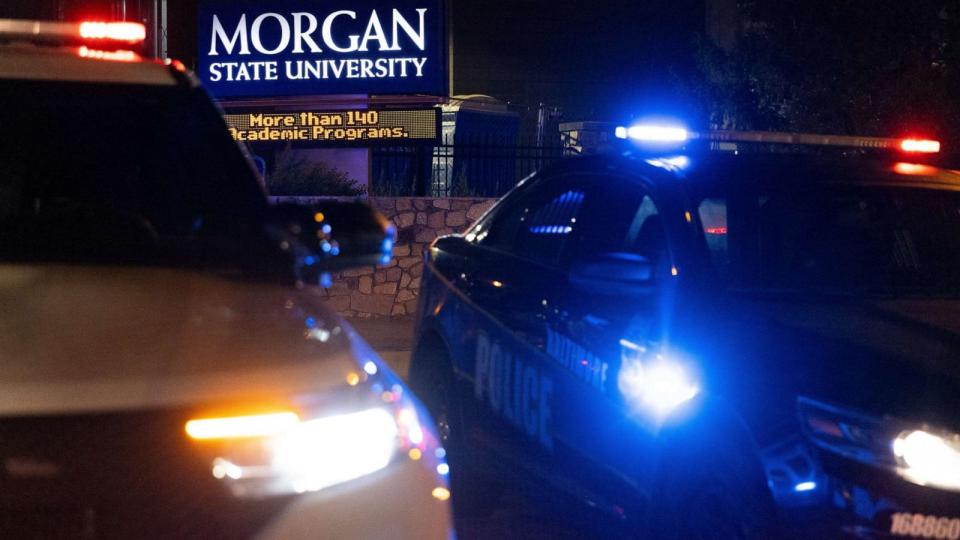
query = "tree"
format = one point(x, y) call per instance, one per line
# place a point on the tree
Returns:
point(872, 67)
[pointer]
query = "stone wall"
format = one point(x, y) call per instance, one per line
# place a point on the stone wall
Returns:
point(392, 290)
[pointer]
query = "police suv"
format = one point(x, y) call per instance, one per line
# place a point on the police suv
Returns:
point(166, 369)
point(713, 335)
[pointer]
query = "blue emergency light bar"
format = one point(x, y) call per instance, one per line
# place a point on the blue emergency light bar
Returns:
point(650, 133)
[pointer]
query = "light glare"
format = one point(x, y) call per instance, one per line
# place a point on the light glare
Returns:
point(805, 486)
point(676, 163)
point(116, 56)
point(409, 424)
point(666, 387)
point(914, 169)
point(224, 468)
point(658, 387)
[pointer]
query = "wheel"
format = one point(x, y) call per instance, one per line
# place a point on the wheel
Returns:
point(712, 493)
point(431, 377)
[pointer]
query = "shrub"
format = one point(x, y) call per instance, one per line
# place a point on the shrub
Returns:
point(295, 175)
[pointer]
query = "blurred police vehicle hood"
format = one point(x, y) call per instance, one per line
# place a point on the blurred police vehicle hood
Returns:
point(167, 369)
point(84, 338)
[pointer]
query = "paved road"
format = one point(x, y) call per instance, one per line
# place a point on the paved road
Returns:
point(517, 518)
point(391, 337)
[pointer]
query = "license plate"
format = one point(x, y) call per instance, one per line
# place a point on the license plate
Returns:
point(924, 526)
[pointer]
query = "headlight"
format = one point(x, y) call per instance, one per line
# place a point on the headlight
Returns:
point(929, 459)
point(277, 453)
point(653, 383)
point(295, 451)
point(238, 427)
point(918, 454)
point(327, 451)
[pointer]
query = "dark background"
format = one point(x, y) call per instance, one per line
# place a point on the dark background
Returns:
point(871, 67)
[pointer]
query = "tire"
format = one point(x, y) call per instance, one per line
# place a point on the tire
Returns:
point(712, 493)
point(475, 494)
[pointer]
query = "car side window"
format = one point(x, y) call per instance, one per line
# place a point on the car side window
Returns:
point(713, 217)
point(620, 217)
point(537, 224)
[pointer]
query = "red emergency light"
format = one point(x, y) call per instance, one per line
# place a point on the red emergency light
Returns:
point(921, 146)
point(129, 32)
point(87, 32)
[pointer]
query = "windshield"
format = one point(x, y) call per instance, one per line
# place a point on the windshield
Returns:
point(116, 172)
point(851, 239)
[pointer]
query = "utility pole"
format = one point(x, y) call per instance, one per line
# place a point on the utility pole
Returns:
point(156, 23)
point(541, 123)
point(448, 5)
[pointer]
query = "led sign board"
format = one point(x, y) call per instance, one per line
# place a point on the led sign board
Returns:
point(361, 127)
point(309, 47)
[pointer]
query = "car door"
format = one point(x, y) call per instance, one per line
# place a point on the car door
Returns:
point(593, 329)
point(510, 280)
point(537, 367)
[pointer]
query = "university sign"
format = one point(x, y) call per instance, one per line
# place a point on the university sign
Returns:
point(302, 47)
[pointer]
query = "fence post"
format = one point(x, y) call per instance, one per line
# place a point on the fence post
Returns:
point(420, 179)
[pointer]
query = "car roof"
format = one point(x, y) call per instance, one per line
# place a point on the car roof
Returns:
point(712, 168)
point(823, 168)
point(26, 61)
point(814, 171)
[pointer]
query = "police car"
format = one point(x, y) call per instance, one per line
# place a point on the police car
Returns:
point(710, 335)
point(166, 369)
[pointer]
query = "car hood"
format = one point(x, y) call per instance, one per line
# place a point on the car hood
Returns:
point(896, 357)
point(923, 333)
point(82, 338)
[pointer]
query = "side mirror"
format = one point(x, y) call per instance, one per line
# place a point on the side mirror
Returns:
point(335, 235)
point(613, 273)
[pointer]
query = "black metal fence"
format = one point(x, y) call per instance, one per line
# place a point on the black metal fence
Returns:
point(456, 170)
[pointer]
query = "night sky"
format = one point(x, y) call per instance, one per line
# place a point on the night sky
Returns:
point(597, 60)
point(594, 60)
point(877, 67)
